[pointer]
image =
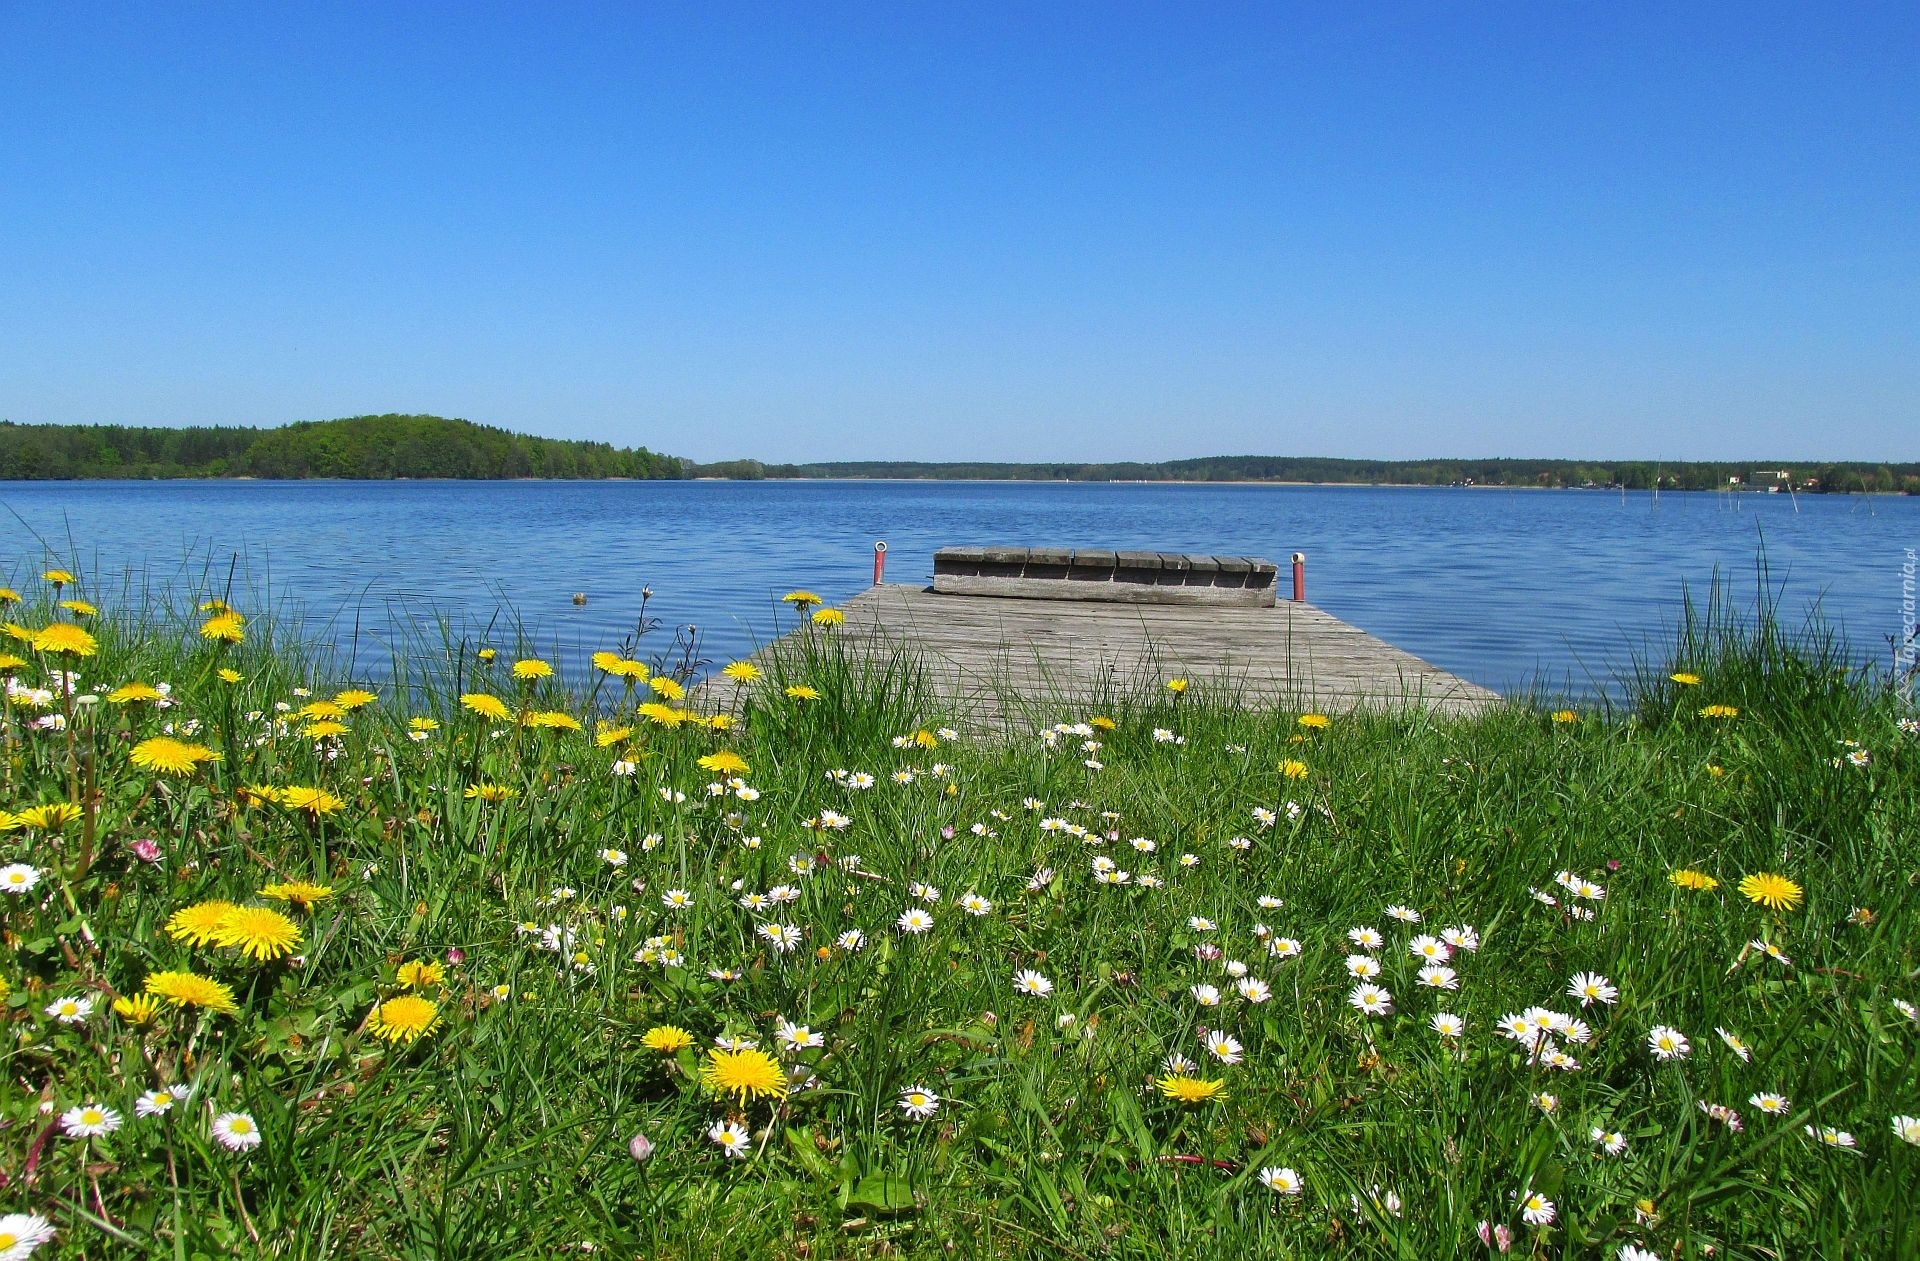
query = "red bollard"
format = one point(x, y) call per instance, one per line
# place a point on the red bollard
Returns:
point(879, 562)
point(1299, 577)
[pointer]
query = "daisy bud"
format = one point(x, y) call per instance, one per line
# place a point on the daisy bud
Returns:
point(640, 1147)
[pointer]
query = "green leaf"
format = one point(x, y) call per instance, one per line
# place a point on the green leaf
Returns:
point(882, 1192)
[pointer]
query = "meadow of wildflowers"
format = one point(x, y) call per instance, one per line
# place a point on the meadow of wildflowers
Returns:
point(528, 965)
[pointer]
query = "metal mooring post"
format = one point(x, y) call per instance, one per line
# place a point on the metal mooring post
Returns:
point(1299, 577)
point(879, 561)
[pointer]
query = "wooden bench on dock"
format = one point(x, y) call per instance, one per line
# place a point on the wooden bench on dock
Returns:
point(1010, 635)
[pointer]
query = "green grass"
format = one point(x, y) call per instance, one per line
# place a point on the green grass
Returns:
point(505, 1132)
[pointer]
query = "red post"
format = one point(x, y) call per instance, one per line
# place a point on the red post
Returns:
point(1299, 577)
point(879, 562)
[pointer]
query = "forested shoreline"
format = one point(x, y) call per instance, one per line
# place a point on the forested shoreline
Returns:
point(357, 447)
point(407, 446)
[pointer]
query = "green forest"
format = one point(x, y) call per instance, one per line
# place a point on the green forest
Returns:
point(358, 447)
point(396, 446)
point(1839, 477)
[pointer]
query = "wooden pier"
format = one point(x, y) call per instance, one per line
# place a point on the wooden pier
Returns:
point(995, 661)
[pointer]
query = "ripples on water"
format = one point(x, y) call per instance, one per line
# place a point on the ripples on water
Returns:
point(1506, 588)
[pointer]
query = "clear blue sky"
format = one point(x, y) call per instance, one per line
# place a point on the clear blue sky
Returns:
point(1042, 231)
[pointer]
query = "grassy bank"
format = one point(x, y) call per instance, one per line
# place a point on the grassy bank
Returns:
point(506, 973)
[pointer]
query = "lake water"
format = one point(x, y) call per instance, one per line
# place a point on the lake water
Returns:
point(1506, 588)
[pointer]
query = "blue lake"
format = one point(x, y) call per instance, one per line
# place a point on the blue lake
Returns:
point(1506, 588)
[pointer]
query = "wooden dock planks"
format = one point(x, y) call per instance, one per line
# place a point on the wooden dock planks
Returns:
point(986, 655)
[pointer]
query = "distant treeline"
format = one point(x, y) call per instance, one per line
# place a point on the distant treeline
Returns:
point(361, 447)
point(1632, 474)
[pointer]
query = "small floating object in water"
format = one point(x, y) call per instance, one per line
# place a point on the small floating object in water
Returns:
point(579, 597)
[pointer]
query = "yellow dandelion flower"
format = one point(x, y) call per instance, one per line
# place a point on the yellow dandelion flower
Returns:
point(317, 802)
point(404, 1019)
point(259, 932)
point(354, 698)
point(1176, 686)
point(259, 794)
point(487, 654)
point(423, 724)
point(1700, 881)
point(1719, 711)
point(1314, 722)
point(801, 692)
point(134, 693)
point(49, 818)
point(742, 671)
point(488, 792)
point(553, 720)
point(667, 1038)
point(320, 710)
point(604, 660)
point(299, 892)
point(10, 822)
point(1191, 1089)
point(66, 640)
point(79, 608)
point(1292, 769)
point(60, 577)
point(829, 617)
point(215, 606)
point(607, 737)
point(417, 974)
point(9, 663)
point(721, 722)
point(667, 689)
point(225, 628)
point(1775, 892)
point(325, 729)
point(136, 1009)
point(1565, 716)
point(9, 596)
point(189, 989)
point(924, 739)
point(622, 667)
point(490, 707)
point(1685, 680)
point(665, 715)
point(1100, 722)
point(197, 924)
point(725, 762)
point(228, 675)
point(748, 1074)
point(168, 756)
point(802, 600)
point(531, 668)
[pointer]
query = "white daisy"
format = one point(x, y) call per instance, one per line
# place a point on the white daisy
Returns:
point(1281, 1181)
point(731, 1136)
point(21, 1234)
point(236, 1131)
point(1371, 1000)
point(1667, 1043)
point(1224, 1047)
point(1027, 981)
point(89, 1120)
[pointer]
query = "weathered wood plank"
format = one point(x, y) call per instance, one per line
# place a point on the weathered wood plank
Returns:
point(986, 656)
